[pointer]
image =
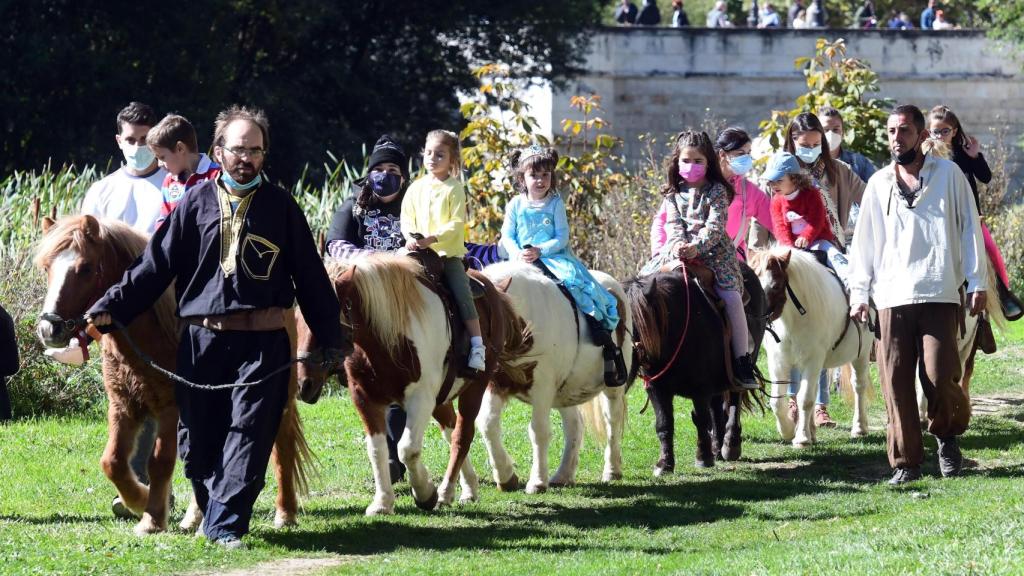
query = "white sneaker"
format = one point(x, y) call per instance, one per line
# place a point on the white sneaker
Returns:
point(477, 358)
point(71, 355)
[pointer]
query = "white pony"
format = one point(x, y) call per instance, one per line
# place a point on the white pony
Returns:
point(815, 334)
point(569, 372)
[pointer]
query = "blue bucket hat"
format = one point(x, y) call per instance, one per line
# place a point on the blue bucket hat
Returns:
point(780, 164)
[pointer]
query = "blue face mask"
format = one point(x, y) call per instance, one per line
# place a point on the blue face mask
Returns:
point(137, 158)
point(231, 183)
point(384, 183)
point(808, 155)
point(741, 164)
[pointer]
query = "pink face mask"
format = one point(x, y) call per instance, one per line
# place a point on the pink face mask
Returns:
point(692, 172)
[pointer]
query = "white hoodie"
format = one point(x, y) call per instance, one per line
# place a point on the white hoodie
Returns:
point(901, 255)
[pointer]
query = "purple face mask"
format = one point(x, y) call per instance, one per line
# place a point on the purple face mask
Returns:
point(692, 172)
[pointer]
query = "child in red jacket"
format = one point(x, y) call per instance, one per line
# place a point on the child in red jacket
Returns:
point(798, 212)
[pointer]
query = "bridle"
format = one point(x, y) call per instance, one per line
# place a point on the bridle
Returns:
point(679, 346)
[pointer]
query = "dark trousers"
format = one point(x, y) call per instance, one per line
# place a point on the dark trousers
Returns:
point(5, 400)
point(920, 339)
point(225, 436)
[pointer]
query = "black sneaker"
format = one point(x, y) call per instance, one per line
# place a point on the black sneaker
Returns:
point(743, 373)
point(905, 475)
point(951, 460)
point(614, 367)
point(1012, 307)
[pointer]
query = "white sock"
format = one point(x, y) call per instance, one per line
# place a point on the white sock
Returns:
point(476, 341)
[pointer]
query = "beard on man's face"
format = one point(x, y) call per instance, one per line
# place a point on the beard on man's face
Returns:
point(242, 170)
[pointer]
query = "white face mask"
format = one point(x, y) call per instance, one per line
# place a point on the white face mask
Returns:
point(138, 158)
point(834, 139)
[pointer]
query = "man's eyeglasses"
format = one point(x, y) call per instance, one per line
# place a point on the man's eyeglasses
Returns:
point(942, 133)
point(246, 152)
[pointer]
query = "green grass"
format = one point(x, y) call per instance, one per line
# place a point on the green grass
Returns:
point(778, 510)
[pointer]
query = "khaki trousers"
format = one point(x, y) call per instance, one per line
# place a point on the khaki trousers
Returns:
point(920, 339)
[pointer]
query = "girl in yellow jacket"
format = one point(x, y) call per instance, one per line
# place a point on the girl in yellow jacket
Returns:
point(432, 217)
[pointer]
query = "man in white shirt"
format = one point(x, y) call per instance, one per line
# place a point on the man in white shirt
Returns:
point(916, 243)
point(132, 193)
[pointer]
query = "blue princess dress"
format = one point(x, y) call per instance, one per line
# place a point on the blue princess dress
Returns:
point(544, 225)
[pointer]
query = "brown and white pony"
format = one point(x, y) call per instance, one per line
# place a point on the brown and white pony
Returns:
point(398, 338)
point(83, 257)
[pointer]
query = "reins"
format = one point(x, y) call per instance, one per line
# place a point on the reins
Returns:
point(79, 323)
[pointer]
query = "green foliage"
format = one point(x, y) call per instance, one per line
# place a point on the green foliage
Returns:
point(25, 197)
point(331, 75)
point(1006, 20)
point(499, 122)
point(833, 79)
point(1006, 226)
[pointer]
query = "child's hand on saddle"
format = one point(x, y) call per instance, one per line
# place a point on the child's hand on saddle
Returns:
point(800, 242)
point(412, 246)
point(100, 320)
point(530, 254)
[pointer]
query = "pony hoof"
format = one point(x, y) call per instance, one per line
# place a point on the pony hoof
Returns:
point(698, 463)
point(378, 509)
point(858, 433)
point(663, 470)
point(510, 485)
point(428, 504)
point(468, 499)
point(284, 520)
point(731, 453)
point(611, 476)
point(536, 488)
point(801, 443)
point(147, 526)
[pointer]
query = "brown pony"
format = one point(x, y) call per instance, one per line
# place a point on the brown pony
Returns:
point(82, 258)
point(397, 339)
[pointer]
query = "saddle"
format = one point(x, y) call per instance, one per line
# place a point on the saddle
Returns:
point(458, 348)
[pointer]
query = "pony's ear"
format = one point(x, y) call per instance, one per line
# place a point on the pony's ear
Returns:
point(90, 226)
point(47, 223)
point(784, 260)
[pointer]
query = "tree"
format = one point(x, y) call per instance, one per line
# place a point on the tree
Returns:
point(833, 79)
point(331, 75)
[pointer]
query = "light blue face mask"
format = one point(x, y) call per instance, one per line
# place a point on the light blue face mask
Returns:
point(137, 158)
point(741, 164)
point(808, 155)
point(231, 183)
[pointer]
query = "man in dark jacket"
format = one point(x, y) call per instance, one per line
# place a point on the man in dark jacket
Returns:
point(625, 14)
point(240, 253)
point(649, 14)
point(8, 361)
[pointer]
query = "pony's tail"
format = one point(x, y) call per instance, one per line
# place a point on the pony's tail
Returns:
point(518, 342)
point(304, 463)
point(594, 418)
point(992, 306)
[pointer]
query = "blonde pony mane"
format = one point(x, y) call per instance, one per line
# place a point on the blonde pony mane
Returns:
point(122, 240)
point(389, 292)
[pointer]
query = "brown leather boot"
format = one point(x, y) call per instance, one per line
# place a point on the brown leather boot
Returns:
point(822, 418)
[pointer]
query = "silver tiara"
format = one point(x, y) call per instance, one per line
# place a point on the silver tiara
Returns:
point(531, 151)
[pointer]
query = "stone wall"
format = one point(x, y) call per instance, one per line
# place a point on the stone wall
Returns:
point(662, 80)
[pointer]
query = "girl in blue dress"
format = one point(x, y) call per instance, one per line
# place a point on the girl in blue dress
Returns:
point(536, 230)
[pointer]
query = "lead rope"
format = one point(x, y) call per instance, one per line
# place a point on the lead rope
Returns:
point(686, 327)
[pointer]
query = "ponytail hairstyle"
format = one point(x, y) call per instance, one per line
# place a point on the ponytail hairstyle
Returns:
point(450, 141)
point(702, 142)
point(943, 113)
point(808, 122)
point(532, 157)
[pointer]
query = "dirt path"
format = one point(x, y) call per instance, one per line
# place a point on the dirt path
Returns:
point(284, 567)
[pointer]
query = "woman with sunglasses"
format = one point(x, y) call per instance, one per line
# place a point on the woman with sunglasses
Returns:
point(944, 125)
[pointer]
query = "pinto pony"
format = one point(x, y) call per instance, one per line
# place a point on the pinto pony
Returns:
point(397, 339)
point(680, 346)
point(569, 371)
point(82, 258)
point(810, 313)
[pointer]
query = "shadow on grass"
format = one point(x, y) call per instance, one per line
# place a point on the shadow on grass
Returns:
point(56, 518)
